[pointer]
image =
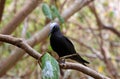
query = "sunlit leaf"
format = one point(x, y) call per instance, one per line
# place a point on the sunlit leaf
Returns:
point(46, 10)
point(56, 13)
point(50, 67)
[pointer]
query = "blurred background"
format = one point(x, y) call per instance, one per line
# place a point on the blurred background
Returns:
point(94, 31)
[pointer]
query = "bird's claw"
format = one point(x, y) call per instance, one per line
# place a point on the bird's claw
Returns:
point(61, 61)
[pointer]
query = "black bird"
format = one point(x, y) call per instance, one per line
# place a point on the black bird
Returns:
point(62, 45)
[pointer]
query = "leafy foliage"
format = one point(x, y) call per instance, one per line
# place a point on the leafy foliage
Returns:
point(82, 29)
point(51, 12)
point(47, 12)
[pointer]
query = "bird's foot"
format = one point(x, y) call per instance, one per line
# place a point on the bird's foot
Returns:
point(61, 61)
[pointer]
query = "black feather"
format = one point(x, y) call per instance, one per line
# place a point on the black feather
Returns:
point(63, 46)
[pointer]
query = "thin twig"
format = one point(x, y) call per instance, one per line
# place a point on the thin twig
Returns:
point(100, 23)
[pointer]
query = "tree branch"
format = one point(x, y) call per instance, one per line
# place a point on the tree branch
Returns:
point(100, 23)
point(20, 16)
point(84, 69)
point(109, 65)
point(75, 7)
point(2, 4)
point(34, 40)
point(23, 45)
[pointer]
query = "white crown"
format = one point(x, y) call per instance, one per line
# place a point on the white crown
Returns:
point(52, 25)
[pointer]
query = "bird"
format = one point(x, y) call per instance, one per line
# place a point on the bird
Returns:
point(62, 45)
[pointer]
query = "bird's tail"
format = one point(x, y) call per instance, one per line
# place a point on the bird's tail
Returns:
point(79, 59)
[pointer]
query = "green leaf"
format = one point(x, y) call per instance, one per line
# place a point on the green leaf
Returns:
point(28, 35)
point(50, 67)
point(61, 19)
point(55, 13)
point(46, 10)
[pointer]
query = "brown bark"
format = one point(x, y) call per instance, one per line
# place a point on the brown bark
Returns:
point(2, 5)
point(37, 38)
point(100, 23)
point(20, 16)
point(109, 65)
point(83, 69)
point(74, 8)
point(23, 45)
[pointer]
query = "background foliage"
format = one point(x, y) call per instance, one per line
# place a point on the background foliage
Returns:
point(82, 29)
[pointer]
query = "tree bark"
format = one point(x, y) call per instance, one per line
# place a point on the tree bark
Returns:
point(2, 5)
point(20, 16)
point(37, 38)
point(67, 65)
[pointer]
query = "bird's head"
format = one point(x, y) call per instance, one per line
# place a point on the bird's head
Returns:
point(54, 27)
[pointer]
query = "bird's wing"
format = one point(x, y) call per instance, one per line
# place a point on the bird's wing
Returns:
point(68, 41)
point(69, 45)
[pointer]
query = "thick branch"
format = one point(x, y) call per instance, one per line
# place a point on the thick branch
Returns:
point(76, 7)
point(2, 5)
point(35, 39)
point(20, 16)
point(83, 69)
point(23, 45)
